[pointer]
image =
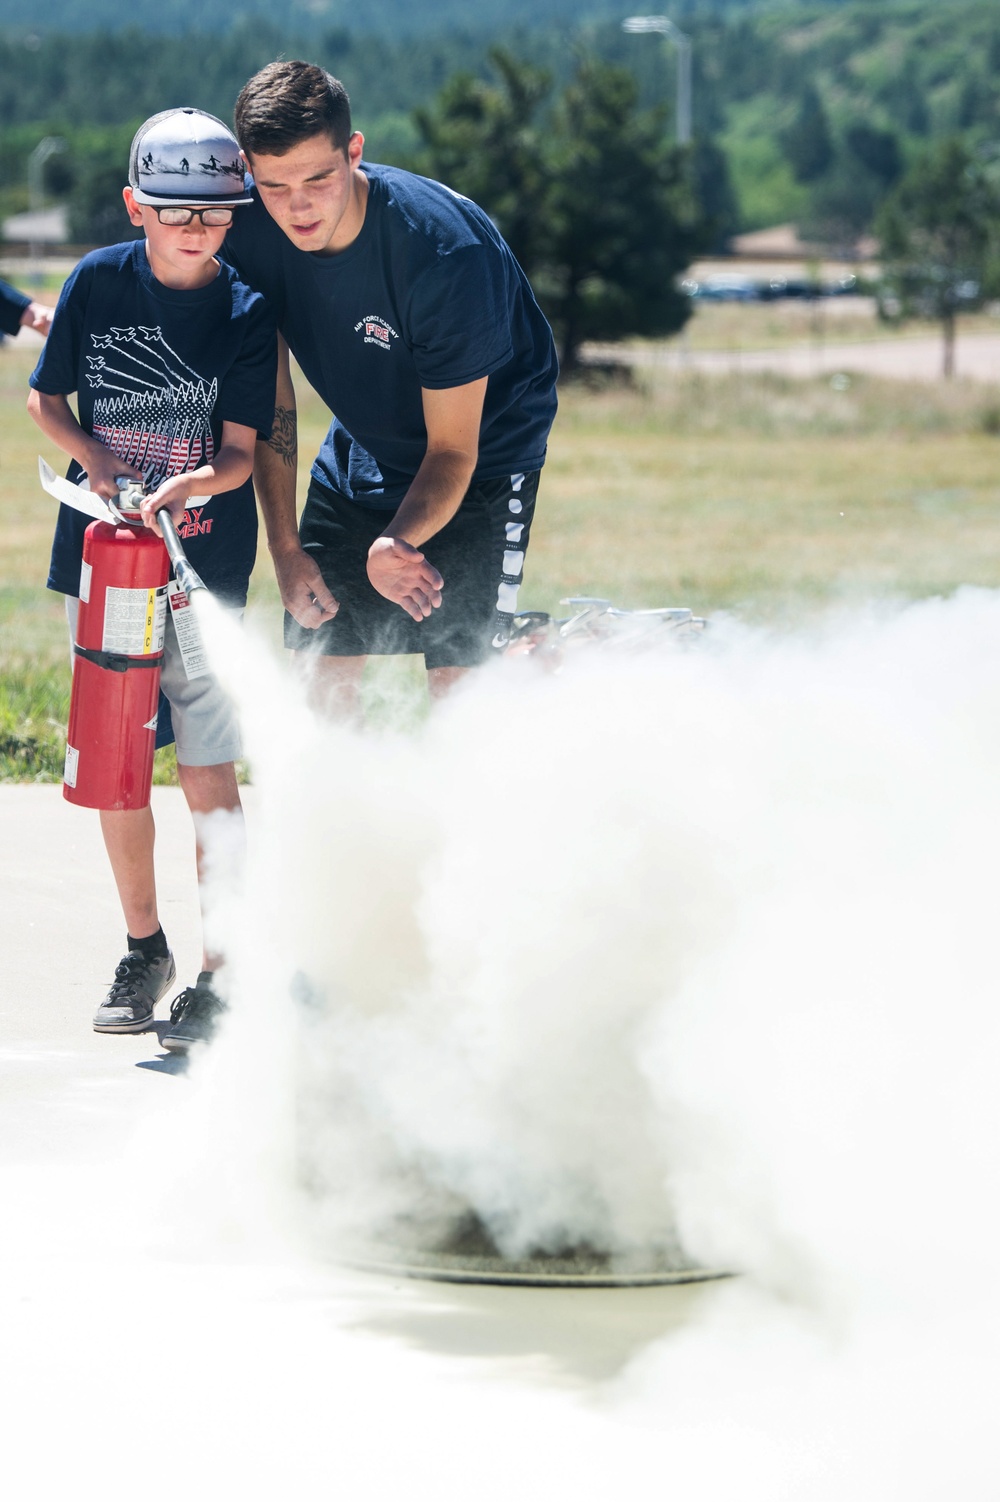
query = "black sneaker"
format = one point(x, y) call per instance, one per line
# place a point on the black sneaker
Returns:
point(137, 987)
point(194, 1015)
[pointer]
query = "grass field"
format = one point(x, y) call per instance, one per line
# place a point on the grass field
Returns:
point(770, 497)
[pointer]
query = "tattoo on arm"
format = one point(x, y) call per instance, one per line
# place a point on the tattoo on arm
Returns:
point(283, 439)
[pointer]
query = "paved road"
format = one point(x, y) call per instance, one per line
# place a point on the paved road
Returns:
point(918, 359)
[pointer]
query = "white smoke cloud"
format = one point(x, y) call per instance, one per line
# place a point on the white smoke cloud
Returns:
point(512, 917)
point(695, 944)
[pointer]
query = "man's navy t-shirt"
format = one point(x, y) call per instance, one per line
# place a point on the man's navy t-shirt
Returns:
point(428, 295)
point(157, 372)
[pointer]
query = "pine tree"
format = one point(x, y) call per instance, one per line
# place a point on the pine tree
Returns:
point(598, 208)
point(939, 231)
point(807, 143)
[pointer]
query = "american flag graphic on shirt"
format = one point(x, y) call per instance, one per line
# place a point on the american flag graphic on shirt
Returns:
point(152, 409)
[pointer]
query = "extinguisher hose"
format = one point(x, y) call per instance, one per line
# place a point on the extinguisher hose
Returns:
point(186, 576)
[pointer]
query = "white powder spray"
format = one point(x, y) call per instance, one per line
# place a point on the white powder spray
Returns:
point(696, 943)
point(700, 940)
point(511, 918)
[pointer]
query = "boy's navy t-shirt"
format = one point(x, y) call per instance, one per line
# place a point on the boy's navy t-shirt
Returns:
point(157, 372)
point(428, 295)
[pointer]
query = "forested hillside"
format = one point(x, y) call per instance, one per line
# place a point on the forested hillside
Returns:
point(817, 109)
point(379, 17)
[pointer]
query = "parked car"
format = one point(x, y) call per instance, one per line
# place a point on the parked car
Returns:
point(732, 287)
point(790, 286)
point(723, 287)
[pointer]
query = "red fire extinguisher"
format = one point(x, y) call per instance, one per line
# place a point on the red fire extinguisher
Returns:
point(116, 667)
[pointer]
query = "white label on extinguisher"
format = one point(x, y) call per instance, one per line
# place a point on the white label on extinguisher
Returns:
point(72, 762)
point(86, 571)
point(189, 640)
point(134, 621)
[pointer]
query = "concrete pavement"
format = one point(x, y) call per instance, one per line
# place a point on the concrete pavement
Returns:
point(62, 934)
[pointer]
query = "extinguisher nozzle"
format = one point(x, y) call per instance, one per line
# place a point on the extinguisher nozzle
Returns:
point(188, 579)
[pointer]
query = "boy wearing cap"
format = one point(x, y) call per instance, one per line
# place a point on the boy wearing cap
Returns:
point(173, 360)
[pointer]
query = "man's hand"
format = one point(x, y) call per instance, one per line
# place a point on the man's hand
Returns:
point(402, 574)
point(303, 593)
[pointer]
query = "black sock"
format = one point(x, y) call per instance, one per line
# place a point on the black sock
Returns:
point(155, 947)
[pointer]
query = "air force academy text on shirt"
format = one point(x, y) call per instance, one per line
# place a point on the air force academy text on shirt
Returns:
point(376, 331)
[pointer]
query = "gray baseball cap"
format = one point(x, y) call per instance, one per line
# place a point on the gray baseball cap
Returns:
point(186, 156)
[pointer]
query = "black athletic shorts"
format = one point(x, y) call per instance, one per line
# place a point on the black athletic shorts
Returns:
point(479, 554)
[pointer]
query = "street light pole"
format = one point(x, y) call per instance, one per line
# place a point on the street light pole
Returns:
point(47, 146)
point(665, 27)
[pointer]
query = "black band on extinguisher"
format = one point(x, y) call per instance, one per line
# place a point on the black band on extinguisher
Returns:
point(115, 662)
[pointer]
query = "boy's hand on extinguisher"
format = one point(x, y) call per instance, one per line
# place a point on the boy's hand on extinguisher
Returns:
point(174, 494)
point(103, 469)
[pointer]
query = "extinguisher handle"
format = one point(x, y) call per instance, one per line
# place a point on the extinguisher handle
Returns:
point(186, 576)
